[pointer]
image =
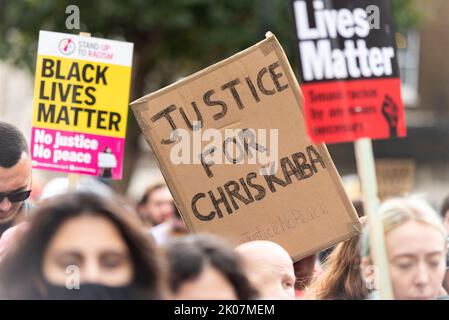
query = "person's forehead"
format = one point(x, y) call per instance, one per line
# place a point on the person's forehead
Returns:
point(275, 265)
point(161, 194)
point(414, 239)
point(17, 176)
point(99, 234)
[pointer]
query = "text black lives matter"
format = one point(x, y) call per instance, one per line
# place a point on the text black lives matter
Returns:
point(54, 87)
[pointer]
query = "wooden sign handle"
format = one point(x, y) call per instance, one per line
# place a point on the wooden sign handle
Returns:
point(74, 177)
point(367, 175)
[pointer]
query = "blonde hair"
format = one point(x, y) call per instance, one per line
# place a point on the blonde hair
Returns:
point(397, 211)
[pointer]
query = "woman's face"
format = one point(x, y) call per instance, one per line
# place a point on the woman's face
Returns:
point(91, 245)
point(209, 285)
point(416, 253)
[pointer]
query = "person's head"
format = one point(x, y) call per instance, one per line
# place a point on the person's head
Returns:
point(445, 213)
point(204, 267)
point(156, 205)
point(415, 241)
point(269, 269)
point(82, 239)
point(15, 172)
point(341, 278)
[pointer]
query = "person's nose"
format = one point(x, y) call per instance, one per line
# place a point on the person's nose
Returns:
point(422, 278)
point(91, 272)
point(5, 205)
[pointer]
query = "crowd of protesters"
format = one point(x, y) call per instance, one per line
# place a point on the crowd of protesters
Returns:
point(91, 243)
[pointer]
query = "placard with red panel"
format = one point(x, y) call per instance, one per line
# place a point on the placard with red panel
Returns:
point(348, 70)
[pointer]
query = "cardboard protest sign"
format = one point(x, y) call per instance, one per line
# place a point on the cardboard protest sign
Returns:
point(80, 104)
point(348, 69)
point(394, 177)
point(273, 183)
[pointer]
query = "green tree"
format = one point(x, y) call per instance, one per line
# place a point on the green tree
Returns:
point(406, 14)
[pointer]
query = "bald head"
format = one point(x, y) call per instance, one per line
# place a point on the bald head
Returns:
point(269, 268)
point(263, 251)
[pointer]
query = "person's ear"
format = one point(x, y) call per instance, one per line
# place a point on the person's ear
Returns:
point(368, 273)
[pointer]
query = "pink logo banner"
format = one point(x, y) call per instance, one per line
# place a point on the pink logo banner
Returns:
point(80, 153)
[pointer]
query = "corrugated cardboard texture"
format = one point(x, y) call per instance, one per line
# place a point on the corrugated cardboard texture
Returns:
point(305, 211)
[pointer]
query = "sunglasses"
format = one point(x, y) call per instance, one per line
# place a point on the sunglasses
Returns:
point(15, 196)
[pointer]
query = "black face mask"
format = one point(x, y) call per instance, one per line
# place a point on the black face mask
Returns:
point(89, 291)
